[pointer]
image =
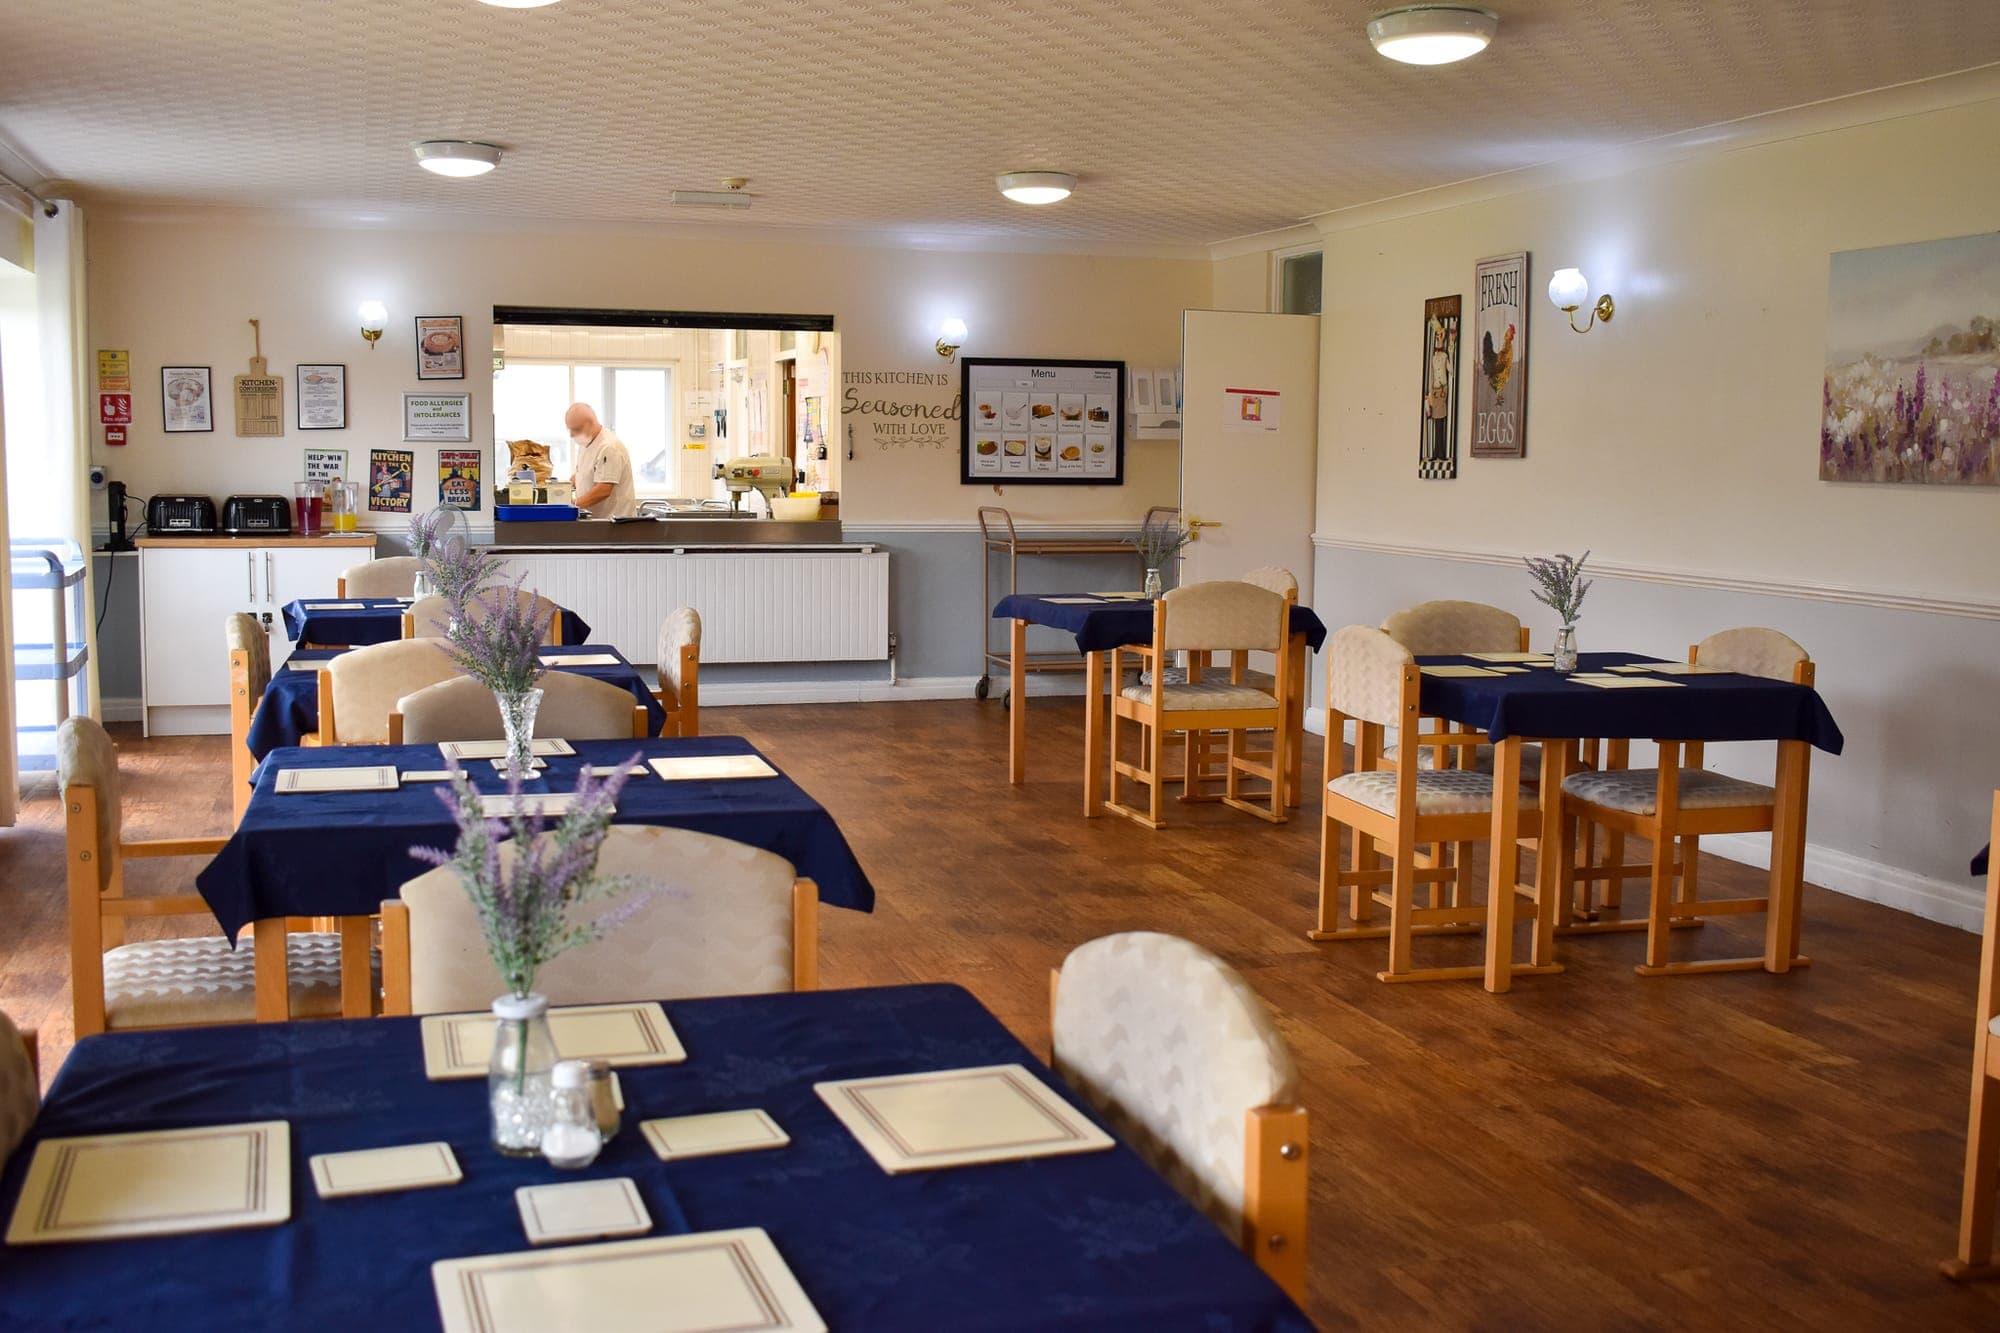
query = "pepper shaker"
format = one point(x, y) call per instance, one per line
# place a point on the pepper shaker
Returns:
point(603, 1098)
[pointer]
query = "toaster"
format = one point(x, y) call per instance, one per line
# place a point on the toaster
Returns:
point(168, 515)
point(243, 514)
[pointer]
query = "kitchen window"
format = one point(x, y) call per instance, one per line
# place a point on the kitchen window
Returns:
point(637, 401)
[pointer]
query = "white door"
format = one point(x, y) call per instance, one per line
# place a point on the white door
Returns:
point(184, 597)
point(1249, 442)
point(287, 573)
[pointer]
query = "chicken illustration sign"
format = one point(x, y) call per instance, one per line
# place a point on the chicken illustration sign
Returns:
point(1500, 352)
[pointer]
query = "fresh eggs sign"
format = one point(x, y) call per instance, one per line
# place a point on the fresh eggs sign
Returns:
point(900, 409)
point(1500, 346)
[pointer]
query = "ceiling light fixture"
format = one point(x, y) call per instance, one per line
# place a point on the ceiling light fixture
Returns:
point(731, 195)
point(1036, 187)
point(456, 157)
point(1432, 34)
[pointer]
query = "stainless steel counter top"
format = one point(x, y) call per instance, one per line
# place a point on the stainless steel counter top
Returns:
point(668, 532)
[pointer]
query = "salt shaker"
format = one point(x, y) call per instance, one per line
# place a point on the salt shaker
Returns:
point(571, 1141)
point(603, 1099)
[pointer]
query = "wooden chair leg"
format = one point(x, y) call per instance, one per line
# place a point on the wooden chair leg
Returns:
point(1360, 856)
point(1690, 877)
point(1156, 765)
point(1402, 900)
point(1329, 869)
point(1982, 1181)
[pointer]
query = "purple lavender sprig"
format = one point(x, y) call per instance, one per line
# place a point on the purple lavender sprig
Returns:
point(460, 570)
point(497, 638)
point(427, 531)
point(1559, 585)
point(525, 892)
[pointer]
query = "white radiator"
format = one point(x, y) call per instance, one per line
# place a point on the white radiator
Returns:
point(782, 606)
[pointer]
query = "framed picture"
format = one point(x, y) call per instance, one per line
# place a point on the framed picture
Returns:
point(440, 347)
point(324, 465)
point(186, 403)
point(437, 416)
point(1041, 422)
point(322, 393)
point(390, 472)
point(458, 478)
point(1437, 442)
point(1500, 349)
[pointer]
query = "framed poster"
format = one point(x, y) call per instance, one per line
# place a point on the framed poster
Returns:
point(1437, 441)
point(185, 401)
point(437, 416)
point(1041, 422)
point(389, 475)
point(1500, 375)
point(458, 478)
point(440, 347)
point(324, 465)
point(322, 397)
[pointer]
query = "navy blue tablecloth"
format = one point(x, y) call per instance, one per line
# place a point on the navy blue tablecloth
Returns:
point(343, 853)
point(1979, 862)
point(289, 709)
point(1094, 1240)
point(379, 621)
point(1539, 703)
point(1102, 626)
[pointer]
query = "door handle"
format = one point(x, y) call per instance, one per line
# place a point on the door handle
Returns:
point(1195, 525)
point(250, 563)
point(270, 577)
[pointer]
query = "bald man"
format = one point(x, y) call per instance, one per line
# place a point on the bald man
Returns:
point(603, 477)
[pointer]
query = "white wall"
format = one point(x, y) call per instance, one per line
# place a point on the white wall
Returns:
point(177, 288)
point(1680, 444)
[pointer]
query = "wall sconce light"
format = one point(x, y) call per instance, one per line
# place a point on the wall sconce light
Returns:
point(950, 338)
point(1569, 289)
point(374, 318)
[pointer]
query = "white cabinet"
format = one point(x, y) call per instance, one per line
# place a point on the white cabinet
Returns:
point(188, 589)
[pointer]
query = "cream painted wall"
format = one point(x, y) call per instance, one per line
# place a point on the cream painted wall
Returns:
point(1686, 434)
point(1242, 282)
point(176, 289)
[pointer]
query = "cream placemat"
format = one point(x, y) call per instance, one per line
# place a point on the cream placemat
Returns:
point(734, 1280)
point(409, 1166)
point(462, 750)
point(582, 1210)
point(158, 1183)
point(708, 767)
point(377, 777)
point(460, 1045)
point(958, 1117)
point(713, 1134)
point(1453, 670)
point(580, 659)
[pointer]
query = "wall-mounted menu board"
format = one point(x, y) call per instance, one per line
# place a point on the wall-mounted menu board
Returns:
point(1047, 423)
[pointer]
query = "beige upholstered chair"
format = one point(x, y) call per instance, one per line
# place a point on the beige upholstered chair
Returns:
point(1431, 629)
point(1974, 1258)
point(1168, 1043)
point(1672, 805)
point(722, 919)
point(394, 576)
point(429, 617)
point(20, 1087)
point(573, 707)
point(360, 688)
point(159, 983)
point(679, 659)
point(1391, 812)
point(1201, 618)
point(249, 673)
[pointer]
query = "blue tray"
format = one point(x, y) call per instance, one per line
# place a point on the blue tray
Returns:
point(534, 513)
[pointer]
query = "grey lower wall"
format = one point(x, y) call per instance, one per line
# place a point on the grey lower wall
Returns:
point(1911, 793)
point(116, 580)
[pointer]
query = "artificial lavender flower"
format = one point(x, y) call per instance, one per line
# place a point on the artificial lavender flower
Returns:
point(1559, 586)
point(500, 642)
point(427, 532)
point(459, 570)
point(525, 895)
point(1159, 542)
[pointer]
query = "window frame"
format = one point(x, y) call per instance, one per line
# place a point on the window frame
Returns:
point(1276, 299)
point(640, 488)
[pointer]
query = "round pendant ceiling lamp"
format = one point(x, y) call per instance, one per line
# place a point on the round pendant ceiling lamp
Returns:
point(1036, 187)
point(456, 157)
point(1433, 34)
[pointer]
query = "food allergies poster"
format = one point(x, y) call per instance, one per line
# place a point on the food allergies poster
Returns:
point(389, 476)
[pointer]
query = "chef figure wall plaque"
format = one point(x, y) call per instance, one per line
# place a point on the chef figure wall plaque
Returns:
point(1500, 357)
point(1042, 422)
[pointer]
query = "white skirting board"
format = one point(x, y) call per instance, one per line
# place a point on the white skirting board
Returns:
point(1960, 905)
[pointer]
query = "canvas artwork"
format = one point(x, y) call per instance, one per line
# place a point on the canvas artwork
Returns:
point(1437, 446)
point(1500, 351)
point(1912, 389)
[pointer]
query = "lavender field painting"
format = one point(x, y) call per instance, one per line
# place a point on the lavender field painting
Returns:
point(1913, 364)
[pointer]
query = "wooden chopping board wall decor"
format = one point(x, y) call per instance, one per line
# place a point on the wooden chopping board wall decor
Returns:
point(260, 395)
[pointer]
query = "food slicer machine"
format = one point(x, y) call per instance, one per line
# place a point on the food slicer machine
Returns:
point(772, 474)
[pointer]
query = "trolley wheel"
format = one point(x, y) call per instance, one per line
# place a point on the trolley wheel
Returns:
point(1006, 700)
point(983, 688)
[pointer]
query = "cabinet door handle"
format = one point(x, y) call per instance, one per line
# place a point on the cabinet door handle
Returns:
point(250, 561)
point(270, 578)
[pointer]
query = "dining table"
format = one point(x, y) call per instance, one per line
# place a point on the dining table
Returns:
point(1531, 701)
point(1093, 1240)
point(289, 709)
point(351, 622)
point(1101, 622)
point(341, 854)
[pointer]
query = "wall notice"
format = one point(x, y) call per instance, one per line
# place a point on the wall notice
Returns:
point(389, 475)
point(458, 478)
point(899, 410)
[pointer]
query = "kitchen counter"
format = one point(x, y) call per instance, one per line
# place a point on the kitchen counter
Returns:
point(323, 541)
point(674, 533)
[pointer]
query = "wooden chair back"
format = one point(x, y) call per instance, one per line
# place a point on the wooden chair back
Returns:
point(574, 707)
point(360, 688)
point(1170, 1044)
point(679, 668)
point(249, 675)
point(392, 576)
point(716, 917)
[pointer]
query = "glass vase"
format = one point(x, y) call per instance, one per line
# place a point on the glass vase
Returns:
point(517, 718)
point(1152, 585)
point(1565, 653)
point(518, 1091)
point(423, 587)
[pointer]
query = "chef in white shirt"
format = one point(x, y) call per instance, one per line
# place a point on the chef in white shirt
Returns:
point(603, 479)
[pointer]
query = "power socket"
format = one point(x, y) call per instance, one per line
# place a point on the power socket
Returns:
point(98, 476)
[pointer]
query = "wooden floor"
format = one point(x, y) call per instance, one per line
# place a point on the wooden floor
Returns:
point(1591, 1151)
